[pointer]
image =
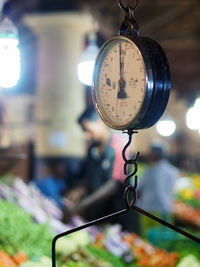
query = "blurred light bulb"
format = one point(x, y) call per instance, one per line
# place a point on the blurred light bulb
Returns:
point(87, 61)
point(197, 104)
point(192, 118)
point(9, 54)
point(166, 127)
point(85, 72)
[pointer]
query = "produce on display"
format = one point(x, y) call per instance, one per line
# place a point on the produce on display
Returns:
point(187, 213)
point(189, 261)
point(30, 199)
point(143, 253)
point(182, 245)
point(6, 260)
point(42, 262)
point(148, 255)
point(78, 249)
point(85, 257)
point(25, 237)
point(187, 199)
point(19, 233)
point(106, 255)
point(187, 190)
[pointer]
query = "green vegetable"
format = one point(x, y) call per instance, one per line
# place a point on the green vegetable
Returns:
point(81, 238)
point(43, 262)
point(184, 247)
point(18, 232)
point(76, 264)
point(66, 246)
point(189, 261)
point(105, 255)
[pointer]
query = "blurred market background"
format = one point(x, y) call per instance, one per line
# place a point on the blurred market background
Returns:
point(38, 123)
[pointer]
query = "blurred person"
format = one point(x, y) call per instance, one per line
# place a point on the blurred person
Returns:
point(103, 177)
point(53, 185)
point(155, 189)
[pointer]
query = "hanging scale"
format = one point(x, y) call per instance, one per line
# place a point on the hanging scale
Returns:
point(130, 92)
point(131, 78)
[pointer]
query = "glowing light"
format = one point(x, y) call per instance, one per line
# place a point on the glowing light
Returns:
point(192, 116)
point(166, 127)
point(197, 104)
point(85, 72)
point(9, 55)
point(192, 119)
point(87, 61)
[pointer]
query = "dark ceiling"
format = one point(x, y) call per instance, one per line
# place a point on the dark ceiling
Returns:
point(175, 24)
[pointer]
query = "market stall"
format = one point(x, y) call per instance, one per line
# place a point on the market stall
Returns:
point(32, 221)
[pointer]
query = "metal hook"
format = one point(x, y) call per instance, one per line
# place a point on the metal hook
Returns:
point(131, 189)
point(130, 133)
point(131, 161)
point(126, 9)
point(127, 162)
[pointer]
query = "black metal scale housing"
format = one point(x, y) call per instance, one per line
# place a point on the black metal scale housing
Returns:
point(156, 68)
point(159, 84)
point(153, 104)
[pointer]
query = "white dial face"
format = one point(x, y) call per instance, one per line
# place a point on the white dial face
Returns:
point(121, 83)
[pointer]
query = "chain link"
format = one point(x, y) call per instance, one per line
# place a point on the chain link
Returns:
point(129, 26)
point(126, 8)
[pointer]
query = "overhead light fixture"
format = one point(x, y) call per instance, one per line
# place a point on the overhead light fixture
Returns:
point(166, 127)
point(86, 65)
point(9, 51)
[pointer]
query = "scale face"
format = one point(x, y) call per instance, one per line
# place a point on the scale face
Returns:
point(131, 82)
point(120, 91)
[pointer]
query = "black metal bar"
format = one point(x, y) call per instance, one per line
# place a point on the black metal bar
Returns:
point(81, 227)
point(169, 225)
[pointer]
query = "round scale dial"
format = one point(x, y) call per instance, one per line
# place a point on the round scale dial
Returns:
point(130, 82)
point(122, 80)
